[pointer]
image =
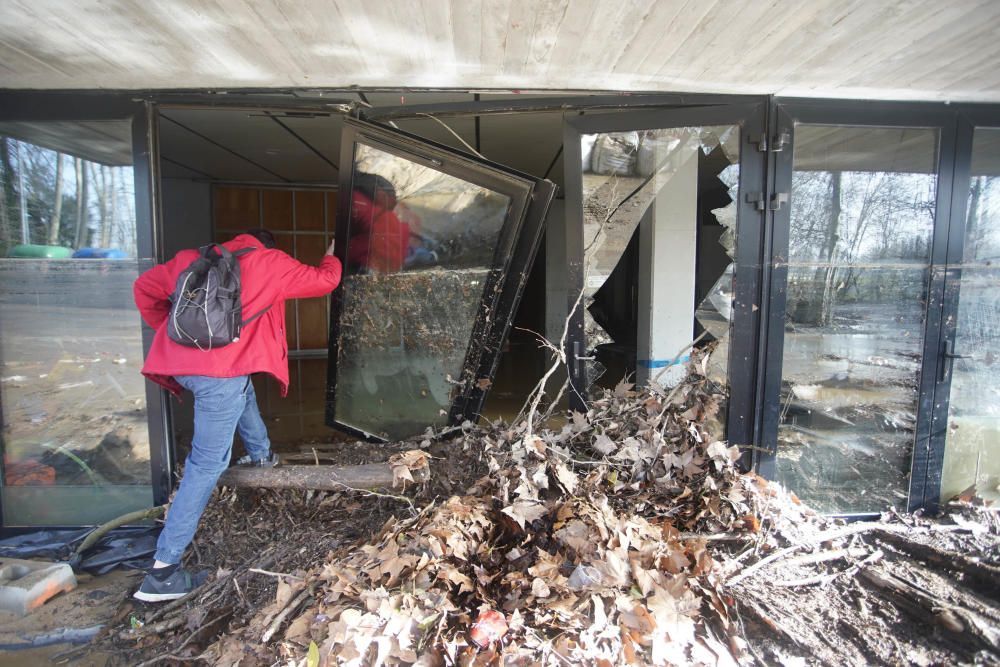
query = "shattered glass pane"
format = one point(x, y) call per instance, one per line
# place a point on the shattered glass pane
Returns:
point(682, 184)
point(972, 449)
point(75, 440)
point(856, 296)
point(422, 244)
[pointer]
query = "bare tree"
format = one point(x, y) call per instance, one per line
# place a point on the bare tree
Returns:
point(57, 204)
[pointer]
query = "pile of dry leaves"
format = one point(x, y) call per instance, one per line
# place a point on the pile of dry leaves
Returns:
point(627, 536)
point(585, 545)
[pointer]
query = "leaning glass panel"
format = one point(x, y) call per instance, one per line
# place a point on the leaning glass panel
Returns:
point(75, 445)
point(860, 232)
point(421, 249)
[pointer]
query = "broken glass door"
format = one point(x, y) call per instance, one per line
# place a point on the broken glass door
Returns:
point(972, 437)
point(858, 265)
point(436, 247)
point(658, 195)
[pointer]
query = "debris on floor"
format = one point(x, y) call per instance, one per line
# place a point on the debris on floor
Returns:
point(627, 536)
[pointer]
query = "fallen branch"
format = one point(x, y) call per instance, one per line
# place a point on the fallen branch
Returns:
point(319, 478)
point(286, 612)
point(831, 535)
point(984, 576)
point(274, 574)
point(824, 579)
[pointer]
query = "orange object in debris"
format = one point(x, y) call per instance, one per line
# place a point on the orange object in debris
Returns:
point(29, 473)
point(488, 628)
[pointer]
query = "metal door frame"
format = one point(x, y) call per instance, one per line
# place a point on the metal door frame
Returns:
point(785, 113)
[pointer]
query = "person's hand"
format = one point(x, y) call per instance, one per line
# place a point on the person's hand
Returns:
point(329, 251)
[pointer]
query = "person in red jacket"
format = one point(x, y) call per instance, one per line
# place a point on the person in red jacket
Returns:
point(379, 239)
point(219, 379)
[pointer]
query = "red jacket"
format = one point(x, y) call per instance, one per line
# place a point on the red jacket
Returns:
point(268, 277)
point(379, 241)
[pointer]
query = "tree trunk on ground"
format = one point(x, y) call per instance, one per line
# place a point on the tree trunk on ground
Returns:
point(57, 204)
point(320, 478)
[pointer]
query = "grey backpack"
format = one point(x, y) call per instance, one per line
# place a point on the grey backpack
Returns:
point(206, 311)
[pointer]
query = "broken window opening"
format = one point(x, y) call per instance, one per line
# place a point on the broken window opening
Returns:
point(659, 243)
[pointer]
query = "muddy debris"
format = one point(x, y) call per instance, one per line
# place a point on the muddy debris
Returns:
point(626, 536)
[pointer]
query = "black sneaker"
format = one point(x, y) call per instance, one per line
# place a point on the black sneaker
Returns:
point(270, 462)
point(177, 584)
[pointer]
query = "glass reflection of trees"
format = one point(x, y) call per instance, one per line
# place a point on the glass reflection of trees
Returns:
point(53, 198)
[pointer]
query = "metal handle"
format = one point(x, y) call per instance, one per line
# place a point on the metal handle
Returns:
point(948, 352)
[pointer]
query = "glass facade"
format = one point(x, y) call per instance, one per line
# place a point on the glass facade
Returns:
point(972, 451)
point(76, 446)
point(862, 221)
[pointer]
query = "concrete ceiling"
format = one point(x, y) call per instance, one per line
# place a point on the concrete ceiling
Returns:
point(887, 49)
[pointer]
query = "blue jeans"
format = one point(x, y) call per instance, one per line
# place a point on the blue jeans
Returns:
point(221, 407)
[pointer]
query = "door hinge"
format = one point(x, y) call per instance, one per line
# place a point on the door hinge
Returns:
point(776, 145)
point(757, 199)
point(777, 199)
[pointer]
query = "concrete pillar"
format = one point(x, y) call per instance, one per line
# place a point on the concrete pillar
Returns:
point(556, 260)
point(668, 235)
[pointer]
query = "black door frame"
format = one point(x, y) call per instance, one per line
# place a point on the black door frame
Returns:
point(75, 106)
point(785, 114)
point(969, 117)
point(516, 247)
point(750, 116)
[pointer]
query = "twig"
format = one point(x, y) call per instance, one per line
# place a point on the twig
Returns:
point(274, 574)
point(402, 499)
point(831, 535)
point(218, 583)
point(825, 556)
point(172, 655)
point(291, 607)
point(824, 579)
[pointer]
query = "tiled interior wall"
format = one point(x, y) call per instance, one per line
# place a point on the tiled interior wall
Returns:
point(303, 224)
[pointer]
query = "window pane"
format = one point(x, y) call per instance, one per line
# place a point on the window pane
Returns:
point(76, 445)
point(420, 251)
point(972, 449)
point(860, 232)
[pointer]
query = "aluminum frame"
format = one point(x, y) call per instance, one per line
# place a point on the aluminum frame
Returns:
point(785, 114)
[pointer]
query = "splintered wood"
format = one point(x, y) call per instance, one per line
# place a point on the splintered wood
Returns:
point(627, 536)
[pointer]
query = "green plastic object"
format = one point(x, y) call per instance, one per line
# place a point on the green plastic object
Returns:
point(31, 251)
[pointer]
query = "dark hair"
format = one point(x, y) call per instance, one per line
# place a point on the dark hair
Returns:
point(264, 236)
point(368, 184)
